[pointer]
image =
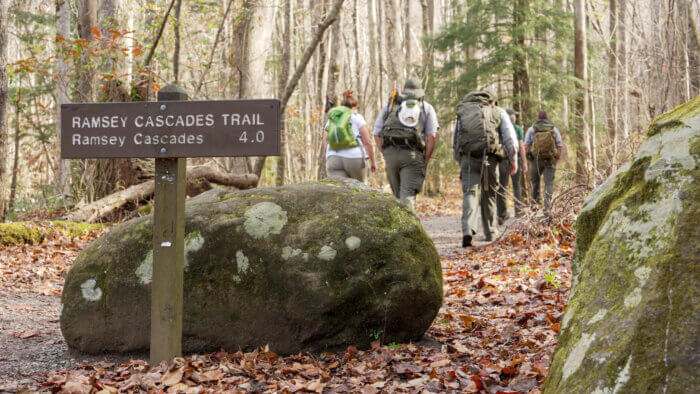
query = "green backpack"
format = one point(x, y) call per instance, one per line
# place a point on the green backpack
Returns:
point(544, 146)
point(339, 129)
point(479, 121)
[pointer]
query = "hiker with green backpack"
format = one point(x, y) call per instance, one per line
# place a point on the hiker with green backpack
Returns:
point(543, 144)
point(483, 136)
point(349, 143)
point(405, 132)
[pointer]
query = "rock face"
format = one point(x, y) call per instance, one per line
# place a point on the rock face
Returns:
point(632, 321)
point(302, 268)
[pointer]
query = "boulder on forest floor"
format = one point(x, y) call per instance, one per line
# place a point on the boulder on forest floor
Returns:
point(303, 267)
point(632, 321)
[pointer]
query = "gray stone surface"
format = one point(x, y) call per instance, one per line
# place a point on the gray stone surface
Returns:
point(301, 267)
point(631, 325)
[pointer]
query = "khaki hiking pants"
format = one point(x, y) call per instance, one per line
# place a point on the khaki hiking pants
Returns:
point(343, 167)
point(405, 169)
point(475, 174)
point(537, 169)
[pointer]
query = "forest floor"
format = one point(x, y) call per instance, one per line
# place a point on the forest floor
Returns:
point(495, 332)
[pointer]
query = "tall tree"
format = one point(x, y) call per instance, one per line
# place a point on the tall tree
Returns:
point(612, 92)
point(521, 76)
point(62, 92)
point(281, 84)
point(176, 51)
point(4, 87)
point(85, 69)
point(580, 72)
point(623, 73)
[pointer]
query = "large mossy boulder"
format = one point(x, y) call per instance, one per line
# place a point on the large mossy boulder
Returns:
point(632, 321)
point(306, 267)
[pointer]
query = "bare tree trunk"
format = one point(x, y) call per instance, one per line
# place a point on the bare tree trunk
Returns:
point(15, 159)
point(612, 92)
point(580, 72)
point(176, 51)
point(521, 77)
point(63, 17)
point(624, 68)
point(4, 82)
point(393, 28)
point(85, 78)
point(87, 19)
point(283, 77)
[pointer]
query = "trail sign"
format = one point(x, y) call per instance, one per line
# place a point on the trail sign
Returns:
point(170, 130)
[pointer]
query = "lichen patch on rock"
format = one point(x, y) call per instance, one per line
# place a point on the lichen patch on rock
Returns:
point(242, 262)
point(288, 252)
point(353, 242)
point(327, 253)
point(90, 290)
point(573, 362)
point(264, 219)
point(145, 270)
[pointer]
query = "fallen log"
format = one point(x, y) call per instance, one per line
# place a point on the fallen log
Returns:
point(198, 179)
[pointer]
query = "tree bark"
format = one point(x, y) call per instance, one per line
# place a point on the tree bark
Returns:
point(208, 64)
point(612, 92)
point(176, 50)
point(623, 70)
point(87, 20)
point(62, 95)
point(4, 82)
point(521, 77)
point(283, 77)
point(104, 207)
point(580, 72)
point(15, 158)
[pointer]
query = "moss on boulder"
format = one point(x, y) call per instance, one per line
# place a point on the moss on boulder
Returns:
point(632, 320)
point(308, 267)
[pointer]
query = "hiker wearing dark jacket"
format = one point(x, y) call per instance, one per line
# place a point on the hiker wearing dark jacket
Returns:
point(478, 156)
point(504, 174)
point(405, 133)
point(543, 144)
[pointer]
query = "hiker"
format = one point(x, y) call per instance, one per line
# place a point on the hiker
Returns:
point(349, 143)
point(483, 135)
point(543, 145)
point(504, 170)
point(405, 133)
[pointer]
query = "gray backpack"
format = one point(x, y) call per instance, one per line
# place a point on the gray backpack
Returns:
point(395, 132)
point(479, 121)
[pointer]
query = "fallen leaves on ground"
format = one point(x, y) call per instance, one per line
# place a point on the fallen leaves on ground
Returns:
point(42, 268)
point(495, 333)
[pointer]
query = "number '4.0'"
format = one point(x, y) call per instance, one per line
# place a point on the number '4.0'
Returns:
point(243, 138)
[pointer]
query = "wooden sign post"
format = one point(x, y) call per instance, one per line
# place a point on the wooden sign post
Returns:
point(170, 130)
point(168, 248)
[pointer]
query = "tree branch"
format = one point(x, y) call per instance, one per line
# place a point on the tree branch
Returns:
point(160, 34)
point(213, 50)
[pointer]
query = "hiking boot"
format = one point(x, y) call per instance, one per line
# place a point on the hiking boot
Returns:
point(466, 241)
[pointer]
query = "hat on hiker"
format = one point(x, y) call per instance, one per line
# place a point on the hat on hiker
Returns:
point(511, 111)
point(412, 87)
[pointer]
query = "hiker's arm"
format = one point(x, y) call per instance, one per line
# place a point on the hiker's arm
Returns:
point(523, 158)
point(558, 141)
point(378, 141)
point(367, 142)
point(378, 129)
point(429, 146)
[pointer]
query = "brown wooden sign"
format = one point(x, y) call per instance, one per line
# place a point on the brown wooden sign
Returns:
point(171, 129)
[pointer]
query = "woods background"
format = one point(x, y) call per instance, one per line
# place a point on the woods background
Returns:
point(603, 69)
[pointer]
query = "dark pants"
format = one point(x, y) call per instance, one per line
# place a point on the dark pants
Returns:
point(537, 169)
point(501, 193)
point(405, 169)
point(475, 174)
